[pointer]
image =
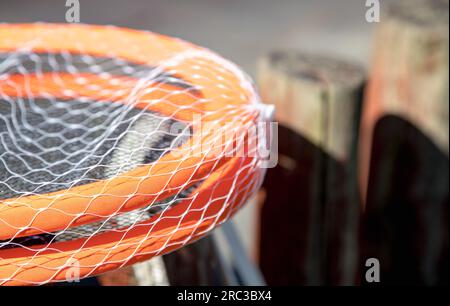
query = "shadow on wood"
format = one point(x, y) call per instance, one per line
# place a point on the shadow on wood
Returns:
point(196, 264)
point(301, 244)
point(406, 220)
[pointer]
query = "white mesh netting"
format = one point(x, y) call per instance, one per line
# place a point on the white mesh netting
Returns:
point(115, 146)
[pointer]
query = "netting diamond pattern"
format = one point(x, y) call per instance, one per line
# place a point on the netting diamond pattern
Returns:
point(70, 120)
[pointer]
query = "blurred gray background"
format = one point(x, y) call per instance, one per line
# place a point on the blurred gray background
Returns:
point(240, 30)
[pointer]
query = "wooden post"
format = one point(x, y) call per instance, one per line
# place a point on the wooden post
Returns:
point(197, 264)
point(309, 221)
point(404, 141)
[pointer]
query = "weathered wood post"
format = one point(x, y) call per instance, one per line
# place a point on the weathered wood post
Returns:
point(404, 143)
point(309, 220)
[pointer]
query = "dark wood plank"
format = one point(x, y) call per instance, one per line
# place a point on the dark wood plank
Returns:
point(309, 221)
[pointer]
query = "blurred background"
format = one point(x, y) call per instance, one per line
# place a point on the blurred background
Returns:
point(239, 30)
point(363, 136)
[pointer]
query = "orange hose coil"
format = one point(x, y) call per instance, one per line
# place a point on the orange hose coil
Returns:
point(209, 204)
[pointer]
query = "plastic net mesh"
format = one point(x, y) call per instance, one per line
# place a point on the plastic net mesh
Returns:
point(102, 163)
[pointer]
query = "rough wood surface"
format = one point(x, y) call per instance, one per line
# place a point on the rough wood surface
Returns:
point(310, 216)
point(404, 143)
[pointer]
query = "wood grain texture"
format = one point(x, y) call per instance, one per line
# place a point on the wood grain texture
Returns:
point(312, 193)
point(404, 144)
